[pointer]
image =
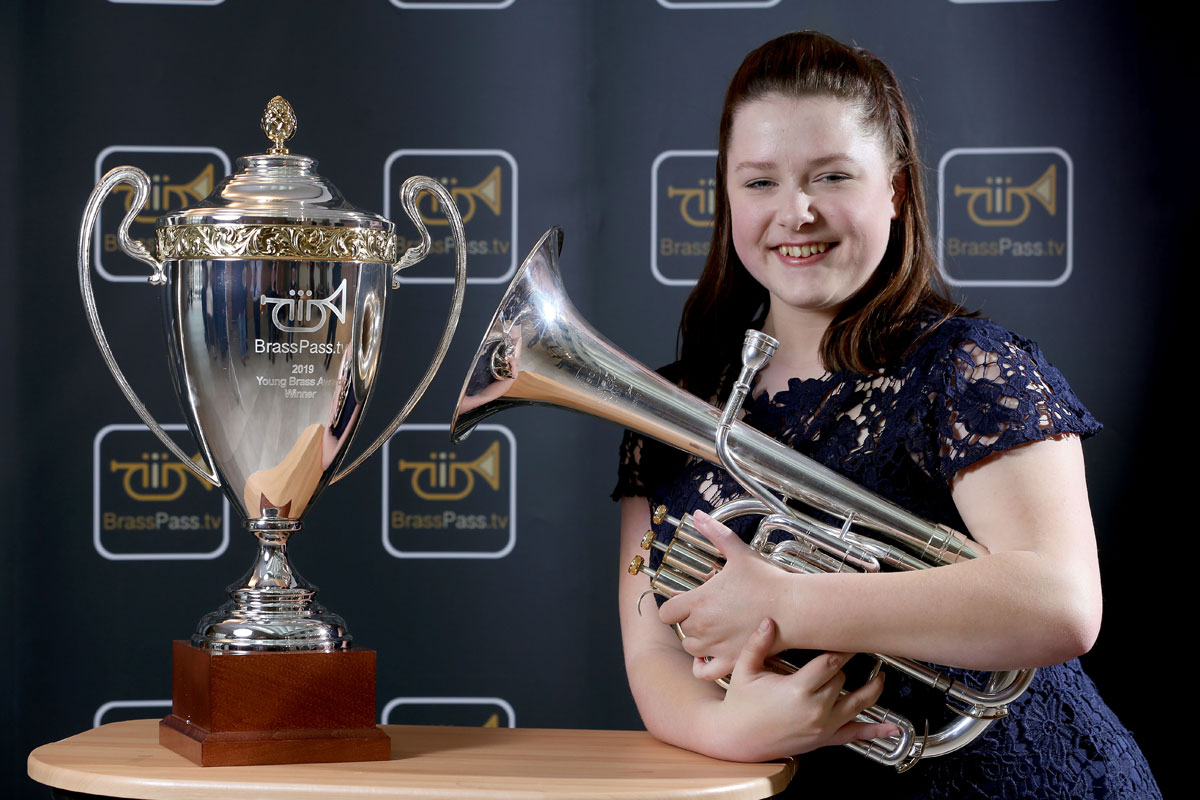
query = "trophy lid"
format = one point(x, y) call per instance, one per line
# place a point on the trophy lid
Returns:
point(276, 206)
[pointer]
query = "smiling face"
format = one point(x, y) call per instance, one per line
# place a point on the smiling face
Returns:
point(811, 200)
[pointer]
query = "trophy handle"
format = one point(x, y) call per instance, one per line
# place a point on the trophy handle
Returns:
point(408, 196)
point(140, 182)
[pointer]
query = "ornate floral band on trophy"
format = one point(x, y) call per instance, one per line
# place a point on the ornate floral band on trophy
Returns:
point(275, 290)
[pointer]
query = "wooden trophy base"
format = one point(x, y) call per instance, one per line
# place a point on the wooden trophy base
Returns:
point(233, 709)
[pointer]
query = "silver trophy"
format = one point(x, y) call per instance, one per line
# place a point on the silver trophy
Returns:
point(274, 302)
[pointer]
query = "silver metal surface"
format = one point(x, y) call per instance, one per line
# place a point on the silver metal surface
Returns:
point(141, 184)
point(274, 324)
point(554, 357)
point(276, 189)
point(538, 350)
point(274, 362)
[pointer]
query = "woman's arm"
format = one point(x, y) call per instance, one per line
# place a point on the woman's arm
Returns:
point(1034, 600)
point(763, 715)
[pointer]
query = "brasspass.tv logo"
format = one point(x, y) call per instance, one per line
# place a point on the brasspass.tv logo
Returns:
point(449, 501)
point(483, 184)
point(148, 505)
point(1005, 216)
point(683, 196)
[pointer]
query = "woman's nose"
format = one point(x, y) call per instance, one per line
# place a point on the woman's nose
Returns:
point(797, 211)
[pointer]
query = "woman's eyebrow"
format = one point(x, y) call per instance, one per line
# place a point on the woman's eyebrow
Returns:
point(818, 162)
point(754, 165)
point(832, 158)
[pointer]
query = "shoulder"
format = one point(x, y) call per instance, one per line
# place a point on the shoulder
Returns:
point(989, 390)
point(966, 350)
point(957, 336)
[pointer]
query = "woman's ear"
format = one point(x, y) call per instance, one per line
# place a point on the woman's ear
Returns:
point(899, 192)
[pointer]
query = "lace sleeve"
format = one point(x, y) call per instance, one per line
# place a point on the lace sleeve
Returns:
point(630, 482)
point(646, 464)
point(998, 391)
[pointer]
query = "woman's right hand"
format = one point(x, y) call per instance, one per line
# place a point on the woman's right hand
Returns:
point(766, 715)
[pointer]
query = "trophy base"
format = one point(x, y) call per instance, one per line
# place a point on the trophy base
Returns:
point(243, 627)
point(272, 607)
point(236, 709)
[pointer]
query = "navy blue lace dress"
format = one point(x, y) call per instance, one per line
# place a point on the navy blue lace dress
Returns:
point(969, 389)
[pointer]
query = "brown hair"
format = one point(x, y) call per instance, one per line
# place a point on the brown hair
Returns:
point(876, 325)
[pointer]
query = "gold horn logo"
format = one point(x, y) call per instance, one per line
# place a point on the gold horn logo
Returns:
point(998, 193)
point(165, 195)
point(704, 198)
point(187, 193)
point(442, 478)
point(162, 478)
point(488, 190)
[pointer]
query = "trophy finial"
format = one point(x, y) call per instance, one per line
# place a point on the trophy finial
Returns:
point(279, 124)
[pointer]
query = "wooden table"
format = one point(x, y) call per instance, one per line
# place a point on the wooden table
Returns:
point(124, 759)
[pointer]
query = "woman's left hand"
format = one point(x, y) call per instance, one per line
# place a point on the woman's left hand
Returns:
point(718, 616)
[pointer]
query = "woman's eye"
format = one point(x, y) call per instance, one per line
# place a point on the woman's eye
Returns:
point(834, 177)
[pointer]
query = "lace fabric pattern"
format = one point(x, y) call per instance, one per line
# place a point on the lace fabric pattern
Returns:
point(968, 390)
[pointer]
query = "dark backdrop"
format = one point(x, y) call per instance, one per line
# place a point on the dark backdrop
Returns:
point(586, 115)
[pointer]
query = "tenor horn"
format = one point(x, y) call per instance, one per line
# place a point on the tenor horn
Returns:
point(539, 351)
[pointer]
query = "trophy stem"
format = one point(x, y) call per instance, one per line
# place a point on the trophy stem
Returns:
point(272, 607)
point(272, 569)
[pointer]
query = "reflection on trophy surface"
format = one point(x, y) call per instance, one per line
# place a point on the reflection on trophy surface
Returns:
point(275, 291)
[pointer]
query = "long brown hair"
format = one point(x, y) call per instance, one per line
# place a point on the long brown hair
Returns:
point(876, 325)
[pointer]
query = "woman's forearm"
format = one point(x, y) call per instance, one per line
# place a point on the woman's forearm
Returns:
point(675, 707)
point(1003, 611)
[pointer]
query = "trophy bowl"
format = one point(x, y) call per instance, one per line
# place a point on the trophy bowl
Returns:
point(274, 298)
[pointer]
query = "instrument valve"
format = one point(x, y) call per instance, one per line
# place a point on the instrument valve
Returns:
point(635, 566)
point(660, 514)
point(648, 540)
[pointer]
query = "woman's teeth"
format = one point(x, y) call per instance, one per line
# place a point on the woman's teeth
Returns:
point(803, 250)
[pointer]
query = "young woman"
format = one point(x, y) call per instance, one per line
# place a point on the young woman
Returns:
point(821, 240)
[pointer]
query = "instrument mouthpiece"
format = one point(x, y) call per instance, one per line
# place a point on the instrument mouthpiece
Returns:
point(757, 349)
